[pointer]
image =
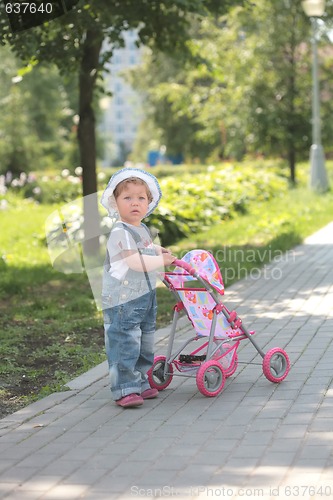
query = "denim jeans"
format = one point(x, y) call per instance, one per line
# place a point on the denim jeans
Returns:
point(129, 325)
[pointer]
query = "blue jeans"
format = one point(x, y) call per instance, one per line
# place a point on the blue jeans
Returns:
point(129, 338)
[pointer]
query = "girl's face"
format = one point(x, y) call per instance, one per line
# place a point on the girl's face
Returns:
point(132, 203)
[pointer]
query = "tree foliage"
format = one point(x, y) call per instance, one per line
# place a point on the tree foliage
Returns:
point(245, 89)
point(36, 116)
point(74, 43)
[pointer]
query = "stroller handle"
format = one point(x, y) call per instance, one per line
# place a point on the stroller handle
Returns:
point(184, 265)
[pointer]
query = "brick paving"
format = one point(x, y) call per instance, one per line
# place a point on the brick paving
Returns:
point(255, 440)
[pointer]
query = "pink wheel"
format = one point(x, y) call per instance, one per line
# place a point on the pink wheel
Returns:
point(276, 365)
point(210, 378)
point(156, 376)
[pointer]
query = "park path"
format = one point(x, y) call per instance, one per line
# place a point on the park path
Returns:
point(255, 440)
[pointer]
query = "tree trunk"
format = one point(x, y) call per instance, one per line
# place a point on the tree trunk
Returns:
point(87, 139)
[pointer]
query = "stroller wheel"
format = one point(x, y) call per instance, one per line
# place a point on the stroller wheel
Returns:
point(276, 365)
point(210, 378)
point(156, 376)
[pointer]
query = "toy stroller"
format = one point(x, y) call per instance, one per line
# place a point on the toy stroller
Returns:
point(198, 285)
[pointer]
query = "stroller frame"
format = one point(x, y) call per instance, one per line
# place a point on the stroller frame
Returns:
point(219, 359)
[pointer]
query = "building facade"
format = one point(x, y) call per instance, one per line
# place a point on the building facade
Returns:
point(122, 112)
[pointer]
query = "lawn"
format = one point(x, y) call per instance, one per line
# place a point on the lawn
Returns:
point(51, 330)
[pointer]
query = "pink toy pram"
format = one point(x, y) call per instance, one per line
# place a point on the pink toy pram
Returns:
point(198, 286)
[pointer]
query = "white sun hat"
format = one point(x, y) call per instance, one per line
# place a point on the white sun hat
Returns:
point(126, 173)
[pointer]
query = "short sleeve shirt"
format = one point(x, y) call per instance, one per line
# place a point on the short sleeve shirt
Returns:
point(121, 240)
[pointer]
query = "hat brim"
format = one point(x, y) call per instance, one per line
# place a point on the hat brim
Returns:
point(126, 173)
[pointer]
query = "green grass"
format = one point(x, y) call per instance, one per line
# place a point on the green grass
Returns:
point(244, 244)
point(51, 330)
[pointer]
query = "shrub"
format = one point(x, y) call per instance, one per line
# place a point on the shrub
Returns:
point(194, 198)
point(45, 189)
point(192, 204)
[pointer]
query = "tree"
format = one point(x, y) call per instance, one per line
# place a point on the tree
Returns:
point(279, 76)
point(15, 151)
point(164, 84)
point(74, 42)
point(246, 87)
point(278, 102)
point(35, 116)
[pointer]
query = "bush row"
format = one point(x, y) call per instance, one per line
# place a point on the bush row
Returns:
point(194, 203)
point(193, 199)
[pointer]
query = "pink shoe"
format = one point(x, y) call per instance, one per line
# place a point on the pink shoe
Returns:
point(130, 401)
point(149, 393)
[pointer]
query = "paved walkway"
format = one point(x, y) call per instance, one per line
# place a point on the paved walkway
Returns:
point(255, 440)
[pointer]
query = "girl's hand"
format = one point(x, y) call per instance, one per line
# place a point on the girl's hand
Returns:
point(161, 250)
point(168, 258)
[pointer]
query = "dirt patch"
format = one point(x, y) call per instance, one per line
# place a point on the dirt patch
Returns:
point(39, 355)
